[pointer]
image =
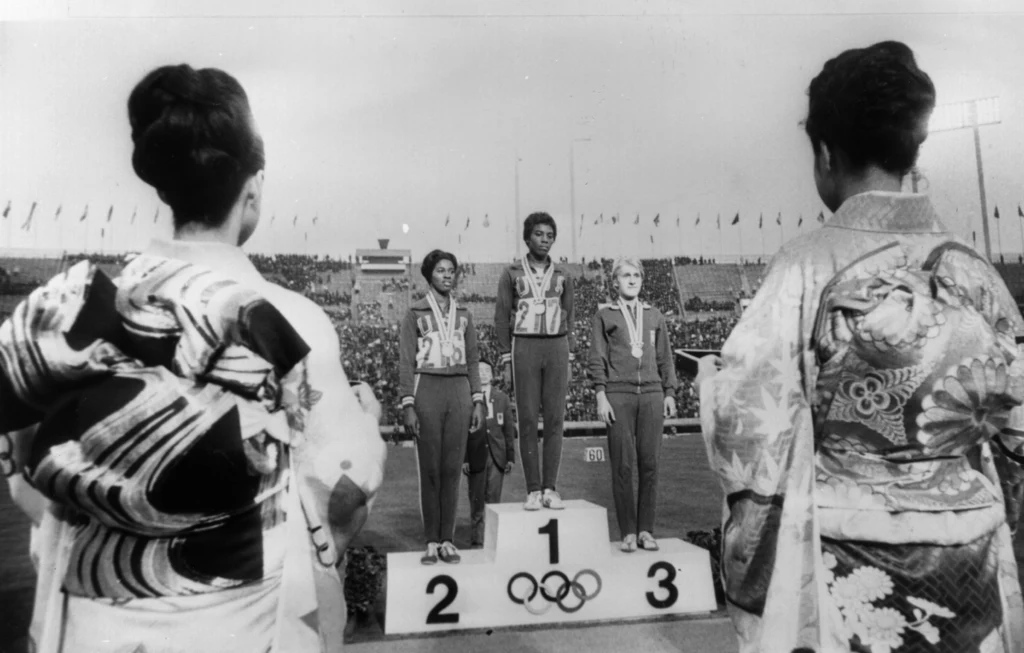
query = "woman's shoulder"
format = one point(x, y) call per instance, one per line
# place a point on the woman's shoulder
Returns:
point(305, 316)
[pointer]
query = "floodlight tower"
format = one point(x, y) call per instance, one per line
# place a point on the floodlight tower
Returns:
point(970, 114)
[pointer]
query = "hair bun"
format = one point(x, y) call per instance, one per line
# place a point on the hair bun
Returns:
point(194, 140)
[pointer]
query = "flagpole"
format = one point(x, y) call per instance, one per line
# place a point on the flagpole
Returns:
point(516, 218)
point(1020, 225)
point(721, 245)
point(999, 236)
point(761, 229)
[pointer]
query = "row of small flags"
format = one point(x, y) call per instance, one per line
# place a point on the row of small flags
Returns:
point(27, 224)
point(615, 219)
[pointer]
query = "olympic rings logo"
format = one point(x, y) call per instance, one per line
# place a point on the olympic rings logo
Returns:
point(565, 587)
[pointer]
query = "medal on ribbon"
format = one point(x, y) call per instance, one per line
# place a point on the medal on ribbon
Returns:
point(445, 327)
point(635, 328)
point(539, 290)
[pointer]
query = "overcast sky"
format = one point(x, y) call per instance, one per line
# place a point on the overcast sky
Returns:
point(404, 118)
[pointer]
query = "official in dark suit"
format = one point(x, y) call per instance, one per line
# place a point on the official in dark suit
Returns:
point(490, 454)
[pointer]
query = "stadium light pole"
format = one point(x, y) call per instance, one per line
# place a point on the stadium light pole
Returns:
point(516, 218)
point(572, 190)
point(970, 114)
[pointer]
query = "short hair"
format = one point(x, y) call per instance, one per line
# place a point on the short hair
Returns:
point(873, 103)
point(627, 260)
point(431, 260)
point(535, 219)
point(195, 140)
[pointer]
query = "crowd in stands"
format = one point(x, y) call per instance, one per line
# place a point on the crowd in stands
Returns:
point(112, 259)
point(698, 305)
point(298, 272)
point(686, 260)
point(371, 313)
point(394, 284)
point(329, 297)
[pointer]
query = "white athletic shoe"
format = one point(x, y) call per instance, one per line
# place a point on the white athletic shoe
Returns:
point(532, 501)
point(552, 500)
point(647, 542)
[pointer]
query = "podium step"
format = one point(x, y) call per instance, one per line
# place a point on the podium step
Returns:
point(546, 567)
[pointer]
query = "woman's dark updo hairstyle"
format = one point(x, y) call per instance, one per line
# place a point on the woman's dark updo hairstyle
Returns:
point(431, 260)
point(872, 103)
point(194, 140)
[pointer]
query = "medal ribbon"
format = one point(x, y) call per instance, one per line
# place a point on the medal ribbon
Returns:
point(541, 289)
point(636, 329)
point(445, 328)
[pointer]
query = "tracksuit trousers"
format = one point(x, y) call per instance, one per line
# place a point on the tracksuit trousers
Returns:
point(540, 378)
point(634, 440)
point(444, 407)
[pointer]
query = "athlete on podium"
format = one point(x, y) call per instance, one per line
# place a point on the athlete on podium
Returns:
point(533, 321)
point(490, 454)
point(441, 398)
point(634, 377)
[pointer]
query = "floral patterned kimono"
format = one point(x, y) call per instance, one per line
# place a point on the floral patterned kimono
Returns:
point(865, 397)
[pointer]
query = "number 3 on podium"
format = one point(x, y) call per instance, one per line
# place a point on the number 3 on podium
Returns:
point(665, 583)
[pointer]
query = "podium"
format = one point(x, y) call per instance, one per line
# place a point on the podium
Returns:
point(545, 567)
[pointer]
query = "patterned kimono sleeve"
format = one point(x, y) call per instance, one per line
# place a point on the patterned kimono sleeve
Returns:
point(757, 424)
point(338, 450)
point(999, 308)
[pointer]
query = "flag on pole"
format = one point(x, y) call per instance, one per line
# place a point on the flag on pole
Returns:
point(467, 223)
point(460, 239)
point(778, 219)
point(110, 213)
point(28, 220)
point(7, 209)
point(581, 224)
point(800, 222)
point(316, 219)
point(615, 219)
point(447, 219)
point(295, 220)
point(156, 216)
point(736, 220)
point(1019, 212)
point(637, 221)
point(487, 221)
point(718, 221)
point(657, 220)
point(598, 219)
point(56, 216)
point(821, 217)
point(85, 214)
point(995, 214)
point(677, 221)
point(652, 239)
point(134, 211)
point(697, 223)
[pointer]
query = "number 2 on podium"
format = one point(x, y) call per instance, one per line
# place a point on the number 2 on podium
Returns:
point(551, 530)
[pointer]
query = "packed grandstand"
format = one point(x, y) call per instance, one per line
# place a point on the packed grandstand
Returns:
point(701, 300)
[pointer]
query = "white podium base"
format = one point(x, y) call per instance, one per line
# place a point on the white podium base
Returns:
point(546, 567)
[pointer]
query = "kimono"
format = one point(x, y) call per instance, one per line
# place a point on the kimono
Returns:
point(864, 396)
point(171, 415)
